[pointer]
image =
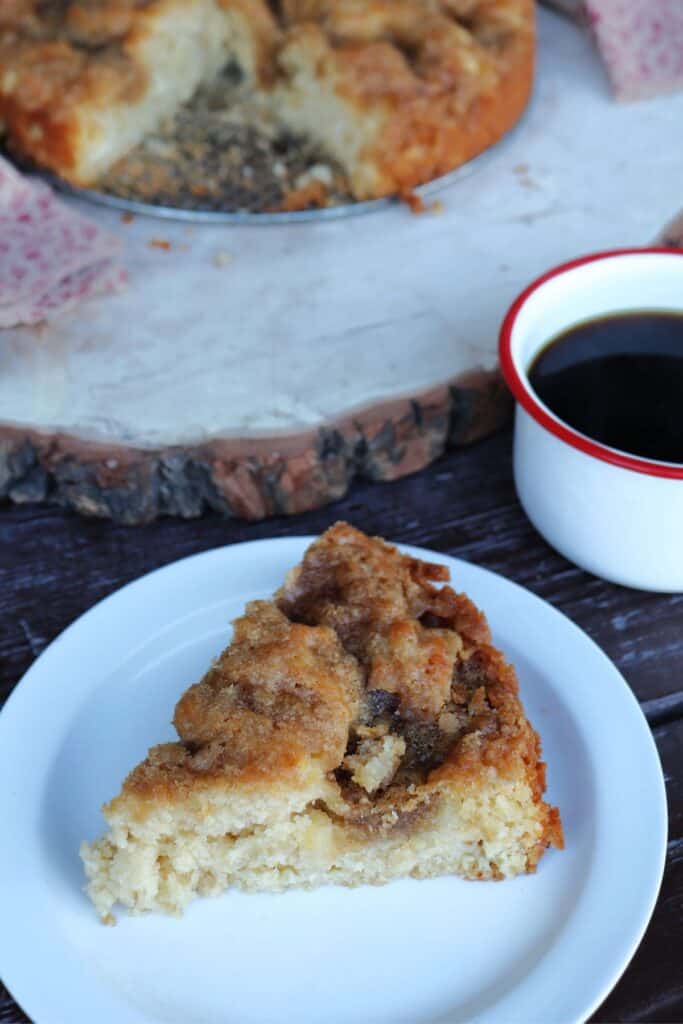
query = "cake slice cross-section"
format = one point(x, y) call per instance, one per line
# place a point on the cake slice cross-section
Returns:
point(359, 727)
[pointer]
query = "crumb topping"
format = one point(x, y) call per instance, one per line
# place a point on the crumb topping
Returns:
point(58, 53)
point(414, 662)
point(280, 690)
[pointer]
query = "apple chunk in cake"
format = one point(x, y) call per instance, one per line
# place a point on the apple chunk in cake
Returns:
point(360, 727)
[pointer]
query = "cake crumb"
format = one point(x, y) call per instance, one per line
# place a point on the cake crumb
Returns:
point(322, 173)
point(437, 207)
point(413, 201)
point(222, 258)
point(160, 243)
point(127, 217)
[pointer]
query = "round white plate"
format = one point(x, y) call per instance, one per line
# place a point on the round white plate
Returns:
point(542, 948)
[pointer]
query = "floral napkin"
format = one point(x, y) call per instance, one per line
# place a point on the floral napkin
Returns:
point(51, 258)
point(640, 41)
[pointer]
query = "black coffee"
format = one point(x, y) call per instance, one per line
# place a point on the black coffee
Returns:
point(619, 380)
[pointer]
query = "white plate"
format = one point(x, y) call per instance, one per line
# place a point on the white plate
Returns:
point(545, 947)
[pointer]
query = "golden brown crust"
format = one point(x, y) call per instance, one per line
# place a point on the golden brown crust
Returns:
point(358, 585)
point(47, 72)
point(279, 696)
point(415, 663)
point(446, 77)
point(43, 85)
point(64, 62)
point(278, 684)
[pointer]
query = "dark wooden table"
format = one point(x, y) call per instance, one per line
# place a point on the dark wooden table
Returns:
point(54, 566)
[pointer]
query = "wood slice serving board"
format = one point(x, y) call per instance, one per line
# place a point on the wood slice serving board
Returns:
point(257, 369)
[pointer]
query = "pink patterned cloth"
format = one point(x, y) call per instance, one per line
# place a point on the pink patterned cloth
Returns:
point(641, 42)
point(51, 258)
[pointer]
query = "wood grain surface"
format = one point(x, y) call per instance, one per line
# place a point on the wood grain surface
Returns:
point(55, 565)
point(280, 474)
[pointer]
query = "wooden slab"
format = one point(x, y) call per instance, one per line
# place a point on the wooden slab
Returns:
point(257, 370)
point(252, 477)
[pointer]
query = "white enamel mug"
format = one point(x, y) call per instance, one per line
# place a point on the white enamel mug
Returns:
point(614, 514)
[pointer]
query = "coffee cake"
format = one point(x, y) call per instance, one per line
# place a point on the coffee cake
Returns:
point(395, 92)
point(359, 727)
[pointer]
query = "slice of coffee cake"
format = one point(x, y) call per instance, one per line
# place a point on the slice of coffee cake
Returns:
point(360, 727)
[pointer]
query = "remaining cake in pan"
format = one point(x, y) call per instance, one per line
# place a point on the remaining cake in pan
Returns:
point(395, 91)
point(82, 83)
point(360, 727)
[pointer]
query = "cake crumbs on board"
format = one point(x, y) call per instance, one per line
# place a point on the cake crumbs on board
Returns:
point(222, 258)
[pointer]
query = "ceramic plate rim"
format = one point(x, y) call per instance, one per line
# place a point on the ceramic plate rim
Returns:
point(24, 702)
